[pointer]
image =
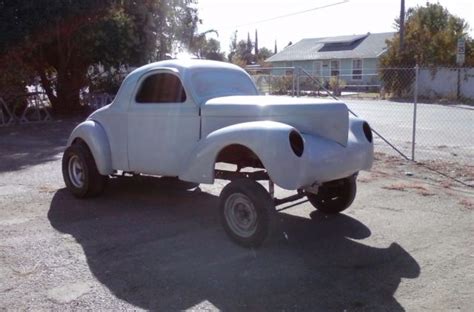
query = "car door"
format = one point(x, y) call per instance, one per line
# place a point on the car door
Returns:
point(163, 124)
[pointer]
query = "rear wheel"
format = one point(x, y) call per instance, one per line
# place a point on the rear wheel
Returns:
point(247, 212)
point(80, 172)
point(335, 196)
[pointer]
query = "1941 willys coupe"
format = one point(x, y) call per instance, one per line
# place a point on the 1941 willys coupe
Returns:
point(180, 118)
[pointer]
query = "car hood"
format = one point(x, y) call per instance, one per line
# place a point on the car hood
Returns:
point(325, 118)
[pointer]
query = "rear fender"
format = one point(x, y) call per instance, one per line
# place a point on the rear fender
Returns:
point(93, 134)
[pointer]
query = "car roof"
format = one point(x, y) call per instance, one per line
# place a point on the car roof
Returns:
point(183, 65)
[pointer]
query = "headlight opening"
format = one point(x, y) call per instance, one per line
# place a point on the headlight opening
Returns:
point(296, 143)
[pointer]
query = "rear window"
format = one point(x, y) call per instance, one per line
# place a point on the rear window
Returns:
point(161, 88)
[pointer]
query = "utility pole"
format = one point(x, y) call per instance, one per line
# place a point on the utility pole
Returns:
point(402, 24)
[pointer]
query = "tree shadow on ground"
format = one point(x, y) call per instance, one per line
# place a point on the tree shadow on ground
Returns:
point(22, 146)
point(162, 248)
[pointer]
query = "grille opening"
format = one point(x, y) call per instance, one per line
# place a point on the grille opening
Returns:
point(367, 132)
point(296, 143)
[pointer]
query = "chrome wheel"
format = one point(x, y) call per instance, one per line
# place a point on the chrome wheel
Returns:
point(76, 171)
point(80, 172)
point(241, 215)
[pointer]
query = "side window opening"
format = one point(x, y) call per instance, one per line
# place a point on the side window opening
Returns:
point(161, 88)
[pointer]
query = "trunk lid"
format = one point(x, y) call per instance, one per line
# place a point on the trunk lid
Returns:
point(325, 118)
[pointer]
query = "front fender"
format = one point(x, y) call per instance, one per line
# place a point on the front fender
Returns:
point(93, 134)
point(269, 140)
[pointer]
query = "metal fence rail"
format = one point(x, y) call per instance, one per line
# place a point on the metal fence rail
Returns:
point(35, 109)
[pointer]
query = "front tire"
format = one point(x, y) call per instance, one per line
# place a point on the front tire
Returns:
point(247, 212)
point(80, 172)
point(335, 196)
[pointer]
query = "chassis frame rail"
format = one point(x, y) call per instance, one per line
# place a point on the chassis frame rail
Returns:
point(260, 175)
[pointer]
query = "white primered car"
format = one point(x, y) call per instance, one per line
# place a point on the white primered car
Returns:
point(180, 118)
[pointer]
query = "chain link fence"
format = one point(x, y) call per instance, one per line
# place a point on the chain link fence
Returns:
point(423, 114)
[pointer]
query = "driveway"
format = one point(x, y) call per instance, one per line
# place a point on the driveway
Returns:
point(405, 244)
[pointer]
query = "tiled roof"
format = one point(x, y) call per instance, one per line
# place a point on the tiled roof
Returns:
point(356, 46)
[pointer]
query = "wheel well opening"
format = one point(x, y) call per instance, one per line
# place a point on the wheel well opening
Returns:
point(81, 142)
point(78, 141)
point(239, 155)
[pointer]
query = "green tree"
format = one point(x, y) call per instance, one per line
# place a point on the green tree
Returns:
point(256, 44)
point(211, 50)
point(249, 44)
point(204, 48)
point(14, 78)
point(241, 51)
point(232, 47)
point(430, 40)
point(263, 54)
point(242, 55)
point(60, 40)
point(431, 35)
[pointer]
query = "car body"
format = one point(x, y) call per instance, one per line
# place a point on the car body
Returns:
point(178, 118)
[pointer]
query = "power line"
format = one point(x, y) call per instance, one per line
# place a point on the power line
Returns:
point(294, 13)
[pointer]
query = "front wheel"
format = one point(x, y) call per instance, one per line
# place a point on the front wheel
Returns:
point(335, 196)
point(80, 172)
point(247, 212)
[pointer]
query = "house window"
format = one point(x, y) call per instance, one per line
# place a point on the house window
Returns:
point(335, 68)
point(317, 68)
point(356, 69)
point(161, 88)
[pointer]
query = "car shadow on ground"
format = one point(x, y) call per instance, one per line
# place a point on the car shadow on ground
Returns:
point(162, 248)
point(23, 146)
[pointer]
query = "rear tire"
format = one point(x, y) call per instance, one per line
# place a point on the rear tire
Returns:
point(335, 196)
point(80, 172)
point(247, 212)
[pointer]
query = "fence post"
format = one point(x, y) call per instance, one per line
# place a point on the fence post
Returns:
point(458, 89)
point(270, 89)
point(297, 81)
point(293, 82)
point(415, 104)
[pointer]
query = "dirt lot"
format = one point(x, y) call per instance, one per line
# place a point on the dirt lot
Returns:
point(405, 244)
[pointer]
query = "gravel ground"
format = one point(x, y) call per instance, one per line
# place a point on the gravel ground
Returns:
point(405, 244)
